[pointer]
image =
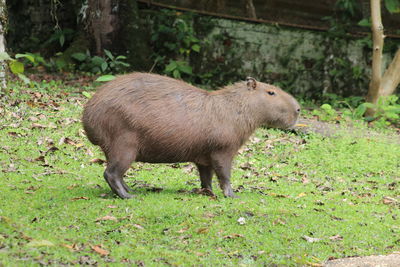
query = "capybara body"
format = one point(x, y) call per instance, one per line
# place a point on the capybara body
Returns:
point(152, 118)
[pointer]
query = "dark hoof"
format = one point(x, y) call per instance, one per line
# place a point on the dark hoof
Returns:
point(231, 195)
point(125, 195)
point(203, 191)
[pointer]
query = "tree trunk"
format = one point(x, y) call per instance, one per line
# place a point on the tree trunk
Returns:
point(386, 85)
point(251, 11)
point(3, 64)
point(391, 78)
point(102, 23)
point(377, 39)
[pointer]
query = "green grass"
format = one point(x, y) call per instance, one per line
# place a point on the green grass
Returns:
point(343, 190)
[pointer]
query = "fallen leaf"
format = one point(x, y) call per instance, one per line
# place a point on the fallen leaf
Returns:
point(107, 218)
point(245, 166)
point(336, 238)
point(138, 226)
point(79, 198)
point(208, 215)
point(301, 195)
point(241, 220)
point(204, 191)
point(72, 186)
point(279, 221)
point(389, 200)
point(112, 206)
point(311, 239)
point(73, 247)
point(202, 230)
point(40, 243)
point(231, 236)
point(100, 250)
point(183, 230)
point(98, 161)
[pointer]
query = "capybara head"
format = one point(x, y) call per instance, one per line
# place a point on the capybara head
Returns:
point(272, 106)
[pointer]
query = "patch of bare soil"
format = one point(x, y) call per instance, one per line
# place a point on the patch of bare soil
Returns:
point(331, 129)
point(392, 260)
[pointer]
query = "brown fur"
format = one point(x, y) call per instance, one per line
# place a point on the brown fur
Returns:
point(151, 118)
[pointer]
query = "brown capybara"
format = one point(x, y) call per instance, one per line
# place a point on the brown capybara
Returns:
point(152, 118)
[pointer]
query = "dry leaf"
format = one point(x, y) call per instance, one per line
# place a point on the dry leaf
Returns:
point(79, 198)
point(202, 230)
point(231, 236)
point(40, 243)
point(336, 238)
point(107, 218)
point(204, 191)
point(183, 230)
point(208, 215)
point(138, 226)
point(311, 239)
point(241, 220)
point(100, 250)
point(73, 247)
point(389, 200)
point(279, 221)
point(302, 195)
point(98, 161)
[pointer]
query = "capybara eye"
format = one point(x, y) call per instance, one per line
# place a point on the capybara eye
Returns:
point(271, 92)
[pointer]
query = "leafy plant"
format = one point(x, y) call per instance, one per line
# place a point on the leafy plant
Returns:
point(387, 111)
point(177, 67)
point(96, 64)
point(16, 66)
point(60, 36)
point(115, 63)
point(325, 113)
point(174, 40)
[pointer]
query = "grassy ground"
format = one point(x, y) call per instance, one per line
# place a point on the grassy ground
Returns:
point(304, 198)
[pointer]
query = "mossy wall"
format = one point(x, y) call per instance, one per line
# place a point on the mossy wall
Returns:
point(308, 63)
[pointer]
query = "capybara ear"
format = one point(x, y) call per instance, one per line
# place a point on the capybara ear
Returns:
point(251, 83)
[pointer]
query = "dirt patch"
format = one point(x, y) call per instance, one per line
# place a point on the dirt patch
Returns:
point(332, 129)
point(392, 260)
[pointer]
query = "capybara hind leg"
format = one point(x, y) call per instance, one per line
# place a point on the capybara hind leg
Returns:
point(222, 166)
point(206, 173)
point(120, 157)
point(113, 176)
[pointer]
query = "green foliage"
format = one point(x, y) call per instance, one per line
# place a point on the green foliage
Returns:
point(393, 6)
point(60, 36)
point(387, 111)
point(177, 67)
point(325, 113)
point(105, 78)
point(96, 64)
point(16, 66)
point(174, 40)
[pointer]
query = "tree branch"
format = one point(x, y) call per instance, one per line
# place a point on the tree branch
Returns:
point(391, 78)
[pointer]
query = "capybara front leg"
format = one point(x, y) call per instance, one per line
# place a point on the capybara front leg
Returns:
point(206, 173)
point(222, 166)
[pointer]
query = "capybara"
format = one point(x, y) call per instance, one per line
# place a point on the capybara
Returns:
point(156, 119)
